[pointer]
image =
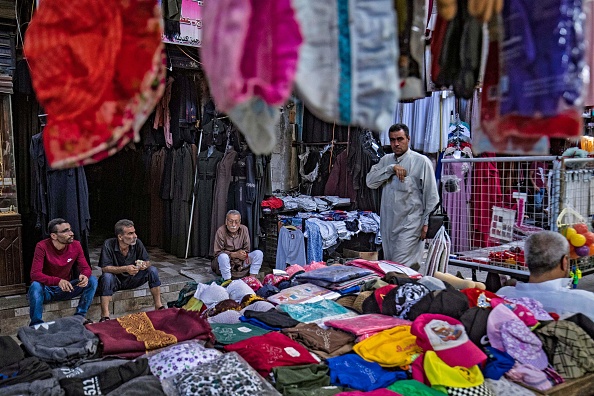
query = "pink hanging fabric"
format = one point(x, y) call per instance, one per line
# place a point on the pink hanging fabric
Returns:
point(250, 51)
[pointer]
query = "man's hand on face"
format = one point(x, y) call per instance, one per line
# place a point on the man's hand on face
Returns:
point(400, 172)
point(84, 281)
point(65, 285)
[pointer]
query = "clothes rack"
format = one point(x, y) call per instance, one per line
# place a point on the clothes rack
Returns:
point(299, 144)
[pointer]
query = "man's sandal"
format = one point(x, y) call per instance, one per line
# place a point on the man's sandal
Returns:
point(104, 319)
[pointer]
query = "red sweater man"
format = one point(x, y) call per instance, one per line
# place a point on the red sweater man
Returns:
point(52, 277)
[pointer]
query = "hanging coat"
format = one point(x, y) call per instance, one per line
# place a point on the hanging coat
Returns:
point(405, 205)
point(219, 205)
point(204, 190)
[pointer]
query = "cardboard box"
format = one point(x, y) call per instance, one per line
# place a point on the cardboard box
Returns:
point(369, 256)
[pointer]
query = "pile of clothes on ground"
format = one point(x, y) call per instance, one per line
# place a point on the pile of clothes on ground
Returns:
point(397, 333)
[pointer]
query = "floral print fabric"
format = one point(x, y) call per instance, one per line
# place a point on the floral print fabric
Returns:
point(181, 357)
point(227, 375)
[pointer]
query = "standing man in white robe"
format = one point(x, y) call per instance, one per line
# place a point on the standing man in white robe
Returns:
point(409, 195)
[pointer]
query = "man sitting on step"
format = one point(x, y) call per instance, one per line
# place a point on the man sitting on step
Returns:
point(232, 257)
point(53, 275)
point(125, 265)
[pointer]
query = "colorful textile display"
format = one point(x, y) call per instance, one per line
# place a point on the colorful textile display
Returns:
point(323, 342)
point(394, 347)
point(227, 375)
point(231, 333)
point(265, 352)
point(366, 324)
point(132, 335)
point(347, 70)
point(353, 371)
point(180, 357)
point(249, 54)
point(98, 74)
point(311, 312)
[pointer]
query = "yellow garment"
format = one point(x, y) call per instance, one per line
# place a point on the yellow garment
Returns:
point(439, 373)
point(139, 325)
point(587, 143)
point(394, 347)
point(193, 304)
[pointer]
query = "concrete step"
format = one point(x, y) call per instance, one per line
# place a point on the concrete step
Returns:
point(14, 310)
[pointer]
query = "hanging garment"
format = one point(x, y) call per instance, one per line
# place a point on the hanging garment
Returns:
point(588, 7)
point(316, 130)
point(98, 75)
point(341, 76)
point(437, 41)
point(263, 189)
point(486, 193)
point(340, 181)
point(203, 204)
point(364, 152)
point(291, 248)
point(251, 192)
point(214, 133)
point(456, 199)
point(411, 39)
point(240, 194)
point(58, 193)
point(542, 68)
point(460, 55)
point(166, 192)
point(156, 203)
point(421, 117)
point(162, 114)
point(187, 105)
point(405, 205)
point(221, 189)
point(181, 203)
point(314, 242)
point(171, 14)
point(249, 54)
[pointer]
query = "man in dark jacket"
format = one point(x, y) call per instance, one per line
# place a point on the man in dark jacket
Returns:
point(125, 264)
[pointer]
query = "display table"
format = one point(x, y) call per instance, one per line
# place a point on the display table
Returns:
point(478, 260)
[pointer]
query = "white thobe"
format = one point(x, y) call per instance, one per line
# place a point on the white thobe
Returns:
point(405, 205)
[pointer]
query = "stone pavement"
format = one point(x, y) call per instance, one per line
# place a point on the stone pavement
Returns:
point(14, 310)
